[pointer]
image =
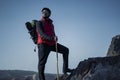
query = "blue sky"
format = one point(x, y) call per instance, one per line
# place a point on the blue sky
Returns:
point(86, 27)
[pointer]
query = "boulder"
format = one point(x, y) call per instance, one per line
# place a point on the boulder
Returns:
point(99, 68)
point(114, 48)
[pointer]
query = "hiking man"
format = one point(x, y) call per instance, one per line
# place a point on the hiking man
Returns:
point(46, 43)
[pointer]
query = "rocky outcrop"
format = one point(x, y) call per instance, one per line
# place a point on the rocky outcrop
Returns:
point(99, 68)
point(114, 48)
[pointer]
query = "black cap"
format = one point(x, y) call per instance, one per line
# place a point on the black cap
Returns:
point(45, 8)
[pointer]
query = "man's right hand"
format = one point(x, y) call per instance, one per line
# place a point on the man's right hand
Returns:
point(56, 38)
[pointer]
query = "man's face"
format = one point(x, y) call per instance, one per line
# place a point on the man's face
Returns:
point(45, 14)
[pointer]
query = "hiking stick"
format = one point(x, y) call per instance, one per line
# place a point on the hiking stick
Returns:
point(57, 62)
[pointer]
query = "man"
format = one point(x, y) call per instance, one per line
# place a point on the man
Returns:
point(46, 43)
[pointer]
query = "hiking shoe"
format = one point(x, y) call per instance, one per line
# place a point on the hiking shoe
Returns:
point(68, 70)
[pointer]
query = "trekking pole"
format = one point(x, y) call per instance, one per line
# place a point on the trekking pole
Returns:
point(57, 62)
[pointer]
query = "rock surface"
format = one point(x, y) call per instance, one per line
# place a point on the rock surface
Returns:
point(114, 48)
point(99, 68)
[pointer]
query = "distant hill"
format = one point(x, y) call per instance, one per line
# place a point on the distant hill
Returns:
point(22, 75)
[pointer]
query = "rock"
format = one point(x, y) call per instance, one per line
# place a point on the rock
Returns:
point(100, 68)
point(114, 48)
point(63, 77)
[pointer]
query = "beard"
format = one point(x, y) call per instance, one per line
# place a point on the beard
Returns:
point(46, 16)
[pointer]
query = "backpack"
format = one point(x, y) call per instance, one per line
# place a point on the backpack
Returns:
point(31, 27)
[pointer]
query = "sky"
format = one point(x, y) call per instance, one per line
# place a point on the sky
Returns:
point(86, 27)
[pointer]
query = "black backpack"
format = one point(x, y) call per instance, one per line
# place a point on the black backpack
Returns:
point(31, 27)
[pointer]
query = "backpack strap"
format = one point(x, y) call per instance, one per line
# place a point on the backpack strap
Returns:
point(41, 23)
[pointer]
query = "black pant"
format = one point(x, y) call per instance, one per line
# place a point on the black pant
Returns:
point(43, 52)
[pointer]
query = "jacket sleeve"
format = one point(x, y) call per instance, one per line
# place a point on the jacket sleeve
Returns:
point(39, 27)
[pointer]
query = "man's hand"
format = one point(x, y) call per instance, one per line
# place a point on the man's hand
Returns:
point(56, 38)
